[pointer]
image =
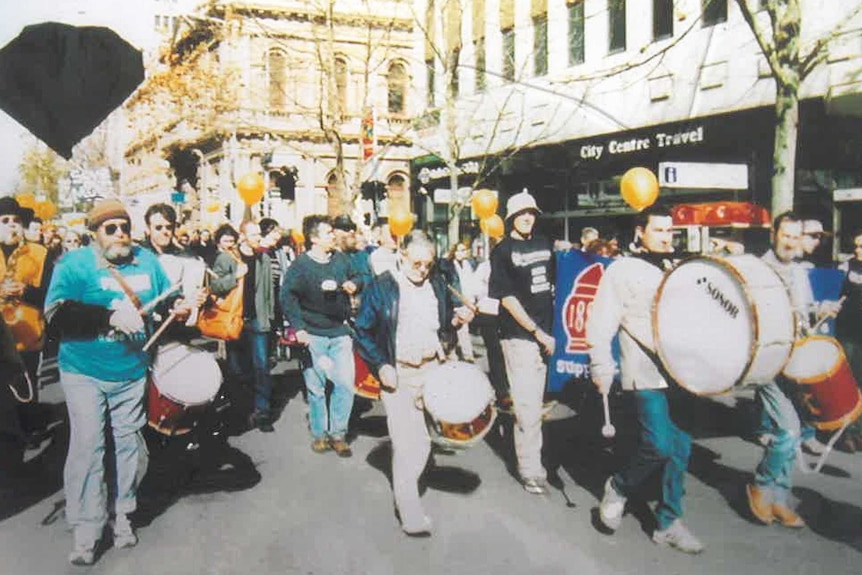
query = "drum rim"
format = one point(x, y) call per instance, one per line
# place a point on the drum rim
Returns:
point(832, 370)
point(754, 328)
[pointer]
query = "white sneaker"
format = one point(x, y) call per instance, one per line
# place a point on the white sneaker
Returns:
point(813, 447)
point(124, 535)
point(536, 486)
point(612, 506)
point(82, 555)
point(679, 537)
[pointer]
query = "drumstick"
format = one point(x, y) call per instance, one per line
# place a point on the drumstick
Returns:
point(161, 330)
point(461, 298)
point(159, 298)
point(817, 325)
point(608, 430)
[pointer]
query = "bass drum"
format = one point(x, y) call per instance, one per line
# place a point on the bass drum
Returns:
point(459, 405)
point(719, 323)
point(183, 382)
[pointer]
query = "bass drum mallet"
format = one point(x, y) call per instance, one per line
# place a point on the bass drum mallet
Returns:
point(608, 430)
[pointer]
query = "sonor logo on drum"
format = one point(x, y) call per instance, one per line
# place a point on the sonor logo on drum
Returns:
point(728, 306)
point(576, 308)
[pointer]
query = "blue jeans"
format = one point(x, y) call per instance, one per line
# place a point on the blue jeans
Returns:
point(331, 359)
point(780, 428)
point(249, 356)
point(89, 402)
point(662, 446)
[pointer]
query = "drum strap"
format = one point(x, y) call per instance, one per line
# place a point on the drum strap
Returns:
point(130, 293)
point(654, 357)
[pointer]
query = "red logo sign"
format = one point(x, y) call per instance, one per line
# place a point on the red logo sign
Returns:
point(576, 308)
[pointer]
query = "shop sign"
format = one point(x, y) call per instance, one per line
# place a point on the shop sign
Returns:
point(660, 139)
point(427, 174)
point(703, 175)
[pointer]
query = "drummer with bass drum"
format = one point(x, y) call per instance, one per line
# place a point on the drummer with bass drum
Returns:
point(780, 428)
point(405, 355)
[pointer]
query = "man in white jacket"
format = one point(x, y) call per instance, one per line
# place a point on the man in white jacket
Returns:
point(623, 304)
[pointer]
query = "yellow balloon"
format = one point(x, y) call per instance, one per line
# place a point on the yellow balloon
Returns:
point(492, 226)
point(251, 188)
point(400, 222)
point(484, 203)
point(639, 188)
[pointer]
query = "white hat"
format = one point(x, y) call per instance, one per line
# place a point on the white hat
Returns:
point(521, 202)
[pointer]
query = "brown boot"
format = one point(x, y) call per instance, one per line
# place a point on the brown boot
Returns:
point(787, 517)
point(759, 504)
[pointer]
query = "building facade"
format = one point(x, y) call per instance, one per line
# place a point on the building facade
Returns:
point(315, 96)
point(563, 96)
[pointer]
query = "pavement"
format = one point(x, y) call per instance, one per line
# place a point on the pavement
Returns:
point(251, 502)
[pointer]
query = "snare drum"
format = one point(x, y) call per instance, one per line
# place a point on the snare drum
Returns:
point(459, 405)
point(826, 385)
point(183, 382)
point(722, 322)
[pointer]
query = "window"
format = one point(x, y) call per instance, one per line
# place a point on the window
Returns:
point(617, 25)
point(509, 54)
point(714, 12)
point(540, 45)
point(431, 81)
point(576, 32)
point(341, 77)
point(276, 77)
point(480, 65)
point(662, 19)
point(397, 88)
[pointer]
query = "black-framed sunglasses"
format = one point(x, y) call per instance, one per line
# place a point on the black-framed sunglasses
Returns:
point(111, 229)
point(6, 220)
point(160, 227)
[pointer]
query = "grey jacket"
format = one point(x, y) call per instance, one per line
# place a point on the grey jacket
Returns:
point(225, 270)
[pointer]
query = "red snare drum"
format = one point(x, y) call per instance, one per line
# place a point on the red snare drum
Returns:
point(459, 405)
point(365, 384)
point(828, 388)
point(184, 381)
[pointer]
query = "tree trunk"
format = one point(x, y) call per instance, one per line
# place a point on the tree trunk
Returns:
point(455, 205)
point(784, 151)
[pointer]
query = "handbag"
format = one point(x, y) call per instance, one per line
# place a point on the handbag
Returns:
point(222, 317)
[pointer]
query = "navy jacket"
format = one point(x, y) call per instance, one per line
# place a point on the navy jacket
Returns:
point(377, 322)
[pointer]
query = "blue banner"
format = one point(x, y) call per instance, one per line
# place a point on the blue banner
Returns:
point(578, 276)
point(826, 284)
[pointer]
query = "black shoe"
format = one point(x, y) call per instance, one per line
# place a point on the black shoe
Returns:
point(261, 421)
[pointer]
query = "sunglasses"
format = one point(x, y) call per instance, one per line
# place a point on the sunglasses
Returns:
point(111, 229)
point(160, 227)
point(6, 220)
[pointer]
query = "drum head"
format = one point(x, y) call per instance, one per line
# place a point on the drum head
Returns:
point(186, 374)
point(703, 326)
point(458, 393)
point(813, 357)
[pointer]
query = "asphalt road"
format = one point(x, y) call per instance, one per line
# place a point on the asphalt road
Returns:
point(249, 502)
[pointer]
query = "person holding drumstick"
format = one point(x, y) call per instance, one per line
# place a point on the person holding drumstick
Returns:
point(623, 305)
point(404, 355)
point(96, 302)
point(780, 428)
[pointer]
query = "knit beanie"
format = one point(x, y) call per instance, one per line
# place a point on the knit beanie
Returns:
point(105, 210)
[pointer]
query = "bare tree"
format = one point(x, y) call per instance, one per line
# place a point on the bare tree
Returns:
point(790, 63)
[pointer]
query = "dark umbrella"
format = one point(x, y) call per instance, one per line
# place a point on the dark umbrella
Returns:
point(62, 81)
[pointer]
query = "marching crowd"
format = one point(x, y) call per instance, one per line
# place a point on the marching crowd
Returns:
point(102, 304)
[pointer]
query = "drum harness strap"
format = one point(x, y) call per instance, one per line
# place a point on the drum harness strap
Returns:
point(651, 354)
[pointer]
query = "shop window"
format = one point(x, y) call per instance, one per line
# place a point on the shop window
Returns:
point(479, 49)
point(276, 72)
point(509, 55)
point(714, 12)
point(617, 25)
point(540, 45)
point(576, 32)
point(662, 19)
point(397, 88)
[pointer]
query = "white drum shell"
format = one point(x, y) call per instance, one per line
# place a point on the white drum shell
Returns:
point(723, 322)
point(185, 374)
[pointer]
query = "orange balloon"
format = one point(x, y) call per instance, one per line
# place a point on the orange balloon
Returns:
point(45, 210)
point(639, 188)
point(484, 203)
point(213, 207)
point(251, 187)
point(298, 237)
point(400, 222)
point(492, 226)
point(26, 201)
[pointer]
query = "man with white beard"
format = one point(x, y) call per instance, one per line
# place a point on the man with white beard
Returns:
point(95, 302)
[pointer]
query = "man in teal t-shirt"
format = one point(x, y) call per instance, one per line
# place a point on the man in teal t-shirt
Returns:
point(94, 303)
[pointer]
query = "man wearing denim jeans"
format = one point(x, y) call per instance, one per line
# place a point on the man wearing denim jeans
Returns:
point(94, 303)
point(780, 429)
point(623, 305)
point(250, 354)
point(315, 297)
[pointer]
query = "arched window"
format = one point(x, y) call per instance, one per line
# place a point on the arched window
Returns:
point(341, 77)
point(397, 88)
point(276, 73)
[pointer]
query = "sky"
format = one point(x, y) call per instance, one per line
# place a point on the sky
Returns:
point(130, 19)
